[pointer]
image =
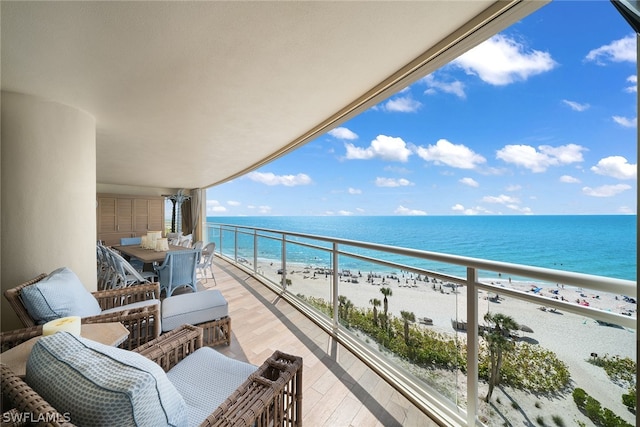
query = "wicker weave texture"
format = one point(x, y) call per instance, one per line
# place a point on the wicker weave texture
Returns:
point(142, 322)
point(172, 347)
point(27, 404)
point(11, 339)
point(217, 331)
point(272, 396)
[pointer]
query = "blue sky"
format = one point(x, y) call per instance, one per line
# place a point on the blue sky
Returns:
point(541, 119)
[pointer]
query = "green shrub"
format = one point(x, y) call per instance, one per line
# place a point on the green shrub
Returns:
point(592, 408)
point(558, 420)
point(629, 400)
point(580, 397)
point(600, 416)
point(526, 367)
point(621, 370)
point(609, 419)
point(540, 420)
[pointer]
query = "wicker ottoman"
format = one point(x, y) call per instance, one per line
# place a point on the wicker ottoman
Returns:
point(208, 310)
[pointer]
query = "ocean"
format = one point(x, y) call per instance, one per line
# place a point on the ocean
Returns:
point(604, 245)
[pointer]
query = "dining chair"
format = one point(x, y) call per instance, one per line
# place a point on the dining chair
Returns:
point(206, 261)
point(178, 269)
point(126, 274)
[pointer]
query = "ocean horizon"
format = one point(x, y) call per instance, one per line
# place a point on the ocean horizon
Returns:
point(603, 245)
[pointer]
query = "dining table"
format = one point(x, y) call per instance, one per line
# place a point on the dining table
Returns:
point(147, 256)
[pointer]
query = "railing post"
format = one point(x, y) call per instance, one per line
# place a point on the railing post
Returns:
point(334, 287)
point(235, 244)
point(472, 346)
point(220, 248)
point(284, 262)
point(255, 251)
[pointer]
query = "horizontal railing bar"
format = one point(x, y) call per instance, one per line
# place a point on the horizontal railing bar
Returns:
point(598, 283)
point(615, 318)
point(605, 316)
point(423, 397)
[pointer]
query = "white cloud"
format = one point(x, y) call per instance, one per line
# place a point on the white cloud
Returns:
point(469, 211)
point(354, 190)
point(538, 161)
point(233, 203)
point(501, 61)
point(513, 187)
point(213, 207)
point(383, 147)
point(512, 203)
point(605, 190)
point(402, 104)
point(501, 199)
point(264, 209)
point(269, 178)
point(575, 106)
point(568, 179)
point(454, 155)
point(470, 182)
point(633, 84)
point(455, 87)
point(625, 121)
point(517, 208)
point(401, 210)
point(616, 167)
point(392, 182)
point(343, 133)
point(345, 213)
point(623, 50)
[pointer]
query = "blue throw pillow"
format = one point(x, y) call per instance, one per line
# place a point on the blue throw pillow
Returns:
point(60, 294)
point(99, 385)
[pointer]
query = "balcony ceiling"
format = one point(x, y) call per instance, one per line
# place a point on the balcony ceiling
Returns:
point(207, 91)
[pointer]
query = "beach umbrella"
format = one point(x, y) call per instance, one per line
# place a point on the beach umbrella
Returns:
point(525, 328)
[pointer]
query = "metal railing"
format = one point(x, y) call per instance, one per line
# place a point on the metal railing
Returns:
point(237, 243)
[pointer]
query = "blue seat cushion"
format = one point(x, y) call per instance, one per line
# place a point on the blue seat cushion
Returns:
point(205, 379)
point(60, 294)
point(99, 385)
point(193, 309)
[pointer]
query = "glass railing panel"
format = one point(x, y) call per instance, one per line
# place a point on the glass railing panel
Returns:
point(424, 335)
point(547, 354)
point(414, 330)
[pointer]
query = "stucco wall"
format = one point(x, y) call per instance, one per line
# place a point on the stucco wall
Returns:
point(48, 192)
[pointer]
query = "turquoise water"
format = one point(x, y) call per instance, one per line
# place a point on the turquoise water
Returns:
point(604, 245)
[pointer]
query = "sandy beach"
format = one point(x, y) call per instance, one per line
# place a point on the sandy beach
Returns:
point(573, 338)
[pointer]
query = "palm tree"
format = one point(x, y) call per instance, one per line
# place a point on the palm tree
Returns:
point(499, 341)
point(375, 302)
point(341, 303)
point(348, 305)
point(387, 293)
point(407, 316)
